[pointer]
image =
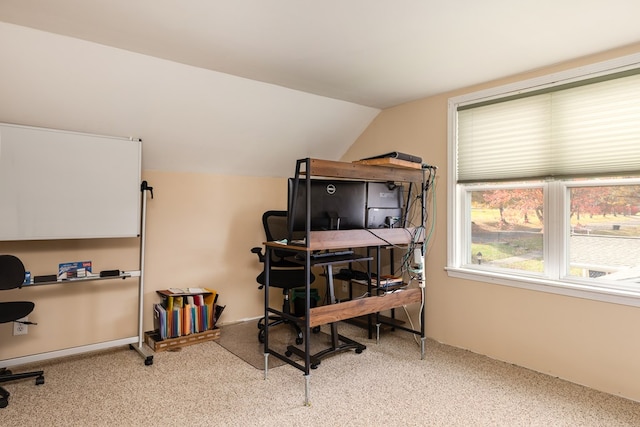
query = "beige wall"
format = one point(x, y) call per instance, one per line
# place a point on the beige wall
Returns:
point(200, 232)
point(592, 343)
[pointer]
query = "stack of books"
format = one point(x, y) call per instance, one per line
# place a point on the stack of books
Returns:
point(181, 314)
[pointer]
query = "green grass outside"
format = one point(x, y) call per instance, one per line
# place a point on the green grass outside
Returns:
point(506, 246)
point(488, 221)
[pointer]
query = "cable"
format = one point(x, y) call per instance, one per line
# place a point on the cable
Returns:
point(420, 267)
point(406, 312)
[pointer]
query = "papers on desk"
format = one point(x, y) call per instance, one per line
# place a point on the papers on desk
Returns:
point(387, 281)
point(296, 242)
point(187, 290)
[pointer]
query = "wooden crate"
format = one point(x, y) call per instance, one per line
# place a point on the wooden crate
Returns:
point(152, 338)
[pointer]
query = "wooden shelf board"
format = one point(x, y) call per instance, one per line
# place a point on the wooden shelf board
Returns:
point(330, 168)
point(389, 161)
point(360, 307)
point(361, 238)
point(336, 239)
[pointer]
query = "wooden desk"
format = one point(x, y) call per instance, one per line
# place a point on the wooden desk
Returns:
point(340, 239)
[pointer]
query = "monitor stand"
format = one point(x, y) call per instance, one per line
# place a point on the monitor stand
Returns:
point(334, 220)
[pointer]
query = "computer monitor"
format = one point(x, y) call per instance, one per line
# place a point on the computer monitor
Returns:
point(335, 204)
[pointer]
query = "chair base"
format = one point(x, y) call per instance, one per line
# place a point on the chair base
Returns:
point(6, 375)
point(279, 320)
point(276, 320)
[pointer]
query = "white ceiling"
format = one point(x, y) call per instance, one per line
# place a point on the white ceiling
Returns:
point(302, 78)
point(377, 53)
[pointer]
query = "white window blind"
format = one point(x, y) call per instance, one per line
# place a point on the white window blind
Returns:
point(583, 130)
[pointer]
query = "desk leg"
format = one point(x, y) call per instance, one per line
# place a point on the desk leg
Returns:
point(307, 386)
point(423, 338)
point(267, 282)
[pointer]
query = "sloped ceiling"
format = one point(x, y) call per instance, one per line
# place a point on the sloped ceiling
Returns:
point(299, 78)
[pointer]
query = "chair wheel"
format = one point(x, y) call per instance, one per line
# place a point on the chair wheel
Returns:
point(315, 329)
point(3, 402)
point(5, 372)
point(314, 366)
point(288, 353)
point(299, 340)
point(40, 380)
point(358, 350)
point(261, 336)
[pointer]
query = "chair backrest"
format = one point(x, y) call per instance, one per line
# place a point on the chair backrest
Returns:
point(275, 228)
point(11, 272)
point(275, 225)
point(287, 274)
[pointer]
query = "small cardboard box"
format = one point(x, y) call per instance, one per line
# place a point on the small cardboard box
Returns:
point(72, 270)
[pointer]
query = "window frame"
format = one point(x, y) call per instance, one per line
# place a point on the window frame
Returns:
point(555, 278)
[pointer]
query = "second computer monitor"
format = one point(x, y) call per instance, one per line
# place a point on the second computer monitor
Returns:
point(384, 205)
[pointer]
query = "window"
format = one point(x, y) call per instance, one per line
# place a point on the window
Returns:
point(507, 227)
point(544, 184)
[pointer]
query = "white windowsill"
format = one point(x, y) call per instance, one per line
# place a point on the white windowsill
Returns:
point(603, 294)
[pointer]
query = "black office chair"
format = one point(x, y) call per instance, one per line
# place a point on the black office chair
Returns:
point(285, 274)
point(12, 277)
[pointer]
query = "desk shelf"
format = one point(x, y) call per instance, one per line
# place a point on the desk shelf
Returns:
point(359, 307)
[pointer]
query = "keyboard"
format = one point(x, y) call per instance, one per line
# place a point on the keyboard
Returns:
point(322, 255)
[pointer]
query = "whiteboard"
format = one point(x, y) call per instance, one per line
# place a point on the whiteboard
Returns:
point(67, 185)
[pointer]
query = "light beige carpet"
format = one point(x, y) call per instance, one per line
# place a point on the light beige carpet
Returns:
point(386, 385)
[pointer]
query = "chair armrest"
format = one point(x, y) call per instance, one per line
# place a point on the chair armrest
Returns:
point(258, 251)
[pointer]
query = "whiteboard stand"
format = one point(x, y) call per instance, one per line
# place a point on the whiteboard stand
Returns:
point(140, 348)
point(97, 168)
